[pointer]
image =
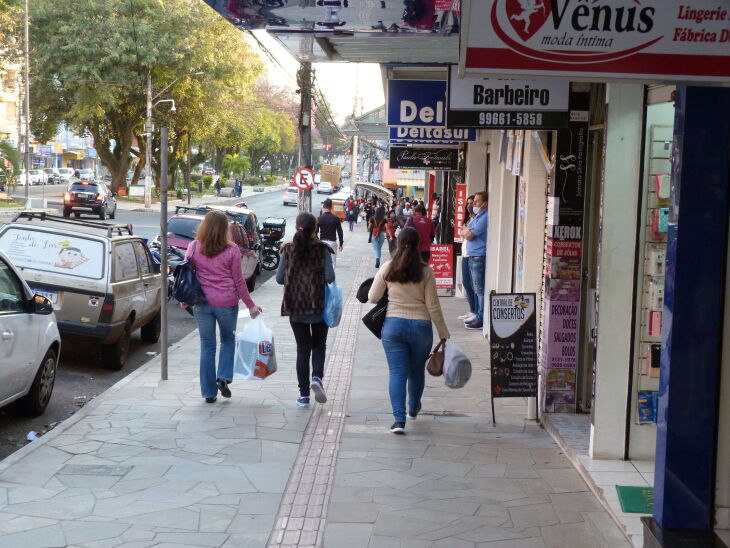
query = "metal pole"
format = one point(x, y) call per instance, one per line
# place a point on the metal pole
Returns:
point(27, 104)
point(163, 252)
point(148, 148)
point(187, 179)
point(305, 130)
point(354, 172)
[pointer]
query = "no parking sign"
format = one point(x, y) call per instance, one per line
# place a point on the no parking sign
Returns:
point(304, 178)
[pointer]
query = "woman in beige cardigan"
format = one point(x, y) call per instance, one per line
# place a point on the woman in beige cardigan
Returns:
point(407, 333)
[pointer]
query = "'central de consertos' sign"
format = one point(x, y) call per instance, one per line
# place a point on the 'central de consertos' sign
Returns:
point(601, 39)
point(475, 102)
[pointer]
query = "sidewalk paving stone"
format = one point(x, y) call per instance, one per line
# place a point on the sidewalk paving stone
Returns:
point(148, 463)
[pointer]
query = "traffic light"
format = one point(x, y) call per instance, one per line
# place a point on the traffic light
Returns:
point(328, 147)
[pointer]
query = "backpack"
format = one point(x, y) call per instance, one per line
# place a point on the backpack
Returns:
point(186, 288)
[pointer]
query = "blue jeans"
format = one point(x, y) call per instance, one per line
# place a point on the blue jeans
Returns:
point(207, 316)
point(407, 344)
point(477, 266)
point(471, 297)
point(378, 245)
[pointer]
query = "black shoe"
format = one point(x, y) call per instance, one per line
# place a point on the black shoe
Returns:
point(377, 263)
point(475, 324)
point(223, 387)
point(413, 414)
point(398, 428)
point(210, 400)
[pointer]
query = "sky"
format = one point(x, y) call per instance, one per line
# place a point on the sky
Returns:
point(340, 83)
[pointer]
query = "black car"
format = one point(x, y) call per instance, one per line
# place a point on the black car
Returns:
point(89, 197)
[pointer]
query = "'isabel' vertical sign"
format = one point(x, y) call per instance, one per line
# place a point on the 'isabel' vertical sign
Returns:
point(644, 39)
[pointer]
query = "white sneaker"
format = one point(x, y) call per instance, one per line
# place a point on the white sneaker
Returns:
point(464, 316)
point(468, 317)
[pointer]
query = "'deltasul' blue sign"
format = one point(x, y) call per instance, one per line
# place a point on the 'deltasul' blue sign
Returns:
point(416, 103)
point(434, 135)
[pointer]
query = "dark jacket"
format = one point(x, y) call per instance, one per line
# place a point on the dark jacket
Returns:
point(329, 228)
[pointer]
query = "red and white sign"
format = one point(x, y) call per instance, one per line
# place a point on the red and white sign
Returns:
point(459, 210)
point(442, 263)
point(600, 39)
point(304, 178)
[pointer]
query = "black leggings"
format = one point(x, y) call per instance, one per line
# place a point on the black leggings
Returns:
point(311, 340)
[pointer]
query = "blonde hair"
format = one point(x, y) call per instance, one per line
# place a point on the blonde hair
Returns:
point(214, 234)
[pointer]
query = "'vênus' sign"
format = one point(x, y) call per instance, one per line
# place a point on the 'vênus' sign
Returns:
point(604, 39)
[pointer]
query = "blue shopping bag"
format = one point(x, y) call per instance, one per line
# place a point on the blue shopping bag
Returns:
point(332, 312)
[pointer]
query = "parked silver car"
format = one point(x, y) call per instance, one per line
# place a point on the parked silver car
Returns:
point(100, 278)
point(29, 343)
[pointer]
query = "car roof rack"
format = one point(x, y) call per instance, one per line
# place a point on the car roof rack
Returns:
point(203, 209)
point(43, 216)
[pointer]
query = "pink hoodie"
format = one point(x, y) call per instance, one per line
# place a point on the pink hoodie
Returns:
point(220, 276)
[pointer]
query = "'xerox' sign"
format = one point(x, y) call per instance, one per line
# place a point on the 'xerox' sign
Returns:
point(643, 39)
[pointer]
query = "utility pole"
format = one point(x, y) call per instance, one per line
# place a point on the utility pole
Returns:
point(163, 253)
point(304, 79)
point(26, 155)
point(148, 149)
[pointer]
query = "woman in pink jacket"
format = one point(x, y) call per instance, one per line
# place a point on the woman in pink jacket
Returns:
point(217, 261)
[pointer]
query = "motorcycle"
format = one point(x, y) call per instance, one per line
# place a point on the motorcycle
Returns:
point(175, 256)
point(272, 232)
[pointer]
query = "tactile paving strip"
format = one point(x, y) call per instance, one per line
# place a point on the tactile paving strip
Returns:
point(301, 518)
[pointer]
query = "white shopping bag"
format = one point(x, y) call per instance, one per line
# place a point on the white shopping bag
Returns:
point(255, 358)
point(457, 367)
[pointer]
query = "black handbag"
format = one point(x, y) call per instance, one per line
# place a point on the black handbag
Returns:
point(375, 319)
point(186, 288)
point(363, 290)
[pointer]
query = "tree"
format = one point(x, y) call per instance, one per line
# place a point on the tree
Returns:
point(274, 132)
point(90, 66)
point(11, 29)
point(10, 162)
point(236, 166)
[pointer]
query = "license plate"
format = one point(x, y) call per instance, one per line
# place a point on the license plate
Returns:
point(47, 293)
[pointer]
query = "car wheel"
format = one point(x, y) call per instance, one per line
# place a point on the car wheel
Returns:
point(102, 213)
point(67, 212)
point(150, 332)
point(114, 356)
point(113, 214)
point(251, 283)
point(77, 214)
point(35, 402)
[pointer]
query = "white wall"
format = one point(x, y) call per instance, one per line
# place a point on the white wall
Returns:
point(476, 167)
point(536, 177)
point(616, 267)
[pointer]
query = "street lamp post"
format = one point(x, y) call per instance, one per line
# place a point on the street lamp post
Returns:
point(149, 128)
point(26, 152)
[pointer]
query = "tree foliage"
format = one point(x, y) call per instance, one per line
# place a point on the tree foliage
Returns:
point(11, 29)
point(10, 162)
point(90, 65)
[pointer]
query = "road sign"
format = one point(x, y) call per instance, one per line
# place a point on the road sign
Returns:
point(304, 178)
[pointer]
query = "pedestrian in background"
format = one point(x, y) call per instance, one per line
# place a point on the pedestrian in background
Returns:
point(407, 334)
point(426, 231)
point(475, 234)
point(306, 264)
point(217, 262)
point(329, 229)
point(471, 297)
point(377, 235)
point(391, 224)
point(218, 186)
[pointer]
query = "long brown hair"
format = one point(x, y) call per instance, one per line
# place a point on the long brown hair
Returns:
point(214, 234)
point(306, 225)
point(406, 265)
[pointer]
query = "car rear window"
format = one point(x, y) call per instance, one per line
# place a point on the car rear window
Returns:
point(80, 187)
point(46, 251)
point(183, 228)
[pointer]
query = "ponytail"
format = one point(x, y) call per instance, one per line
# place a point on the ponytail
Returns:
point(306, 225)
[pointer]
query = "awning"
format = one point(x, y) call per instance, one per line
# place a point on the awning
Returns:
point(75, 154)
point(379, 190)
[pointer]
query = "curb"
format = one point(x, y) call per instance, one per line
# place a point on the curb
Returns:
point(211, 201)
point(578, 465)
